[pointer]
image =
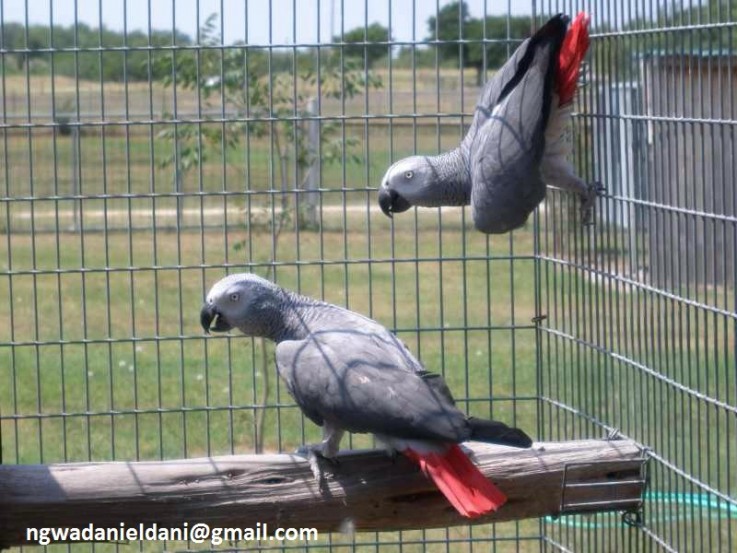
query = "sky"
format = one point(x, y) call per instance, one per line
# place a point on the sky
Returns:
point(256, 21)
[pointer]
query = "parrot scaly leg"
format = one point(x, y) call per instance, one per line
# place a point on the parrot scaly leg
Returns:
point(392, 453)
point(588, 201)
point(386, 444)
point(558, 172)
point(323, 454)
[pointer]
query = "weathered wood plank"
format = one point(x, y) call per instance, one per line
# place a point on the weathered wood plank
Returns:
point(367, 488)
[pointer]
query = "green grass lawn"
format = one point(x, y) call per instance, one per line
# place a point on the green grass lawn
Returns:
point(130, 337)
point(127, 170)
point(136, 378)
point(41, 165)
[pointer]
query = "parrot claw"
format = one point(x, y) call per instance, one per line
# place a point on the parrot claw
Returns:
point(318, 463)
point(613, 434)
point(588, 200)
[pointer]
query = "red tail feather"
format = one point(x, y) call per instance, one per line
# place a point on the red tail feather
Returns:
point(575, 45)
point(460, 481)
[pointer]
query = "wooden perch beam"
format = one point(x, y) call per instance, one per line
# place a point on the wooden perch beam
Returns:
point(367, 488)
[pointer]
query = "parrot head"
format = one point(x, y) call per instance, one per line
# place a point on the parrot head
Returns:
point(410, 181)
point(235, 302)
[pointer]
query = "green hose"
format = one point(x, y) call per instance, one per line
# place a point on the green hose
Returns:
point(719, 509)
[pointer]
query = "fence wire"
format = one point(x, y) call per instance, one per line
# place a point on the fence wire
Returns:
point(142, 160)
point(640, 332)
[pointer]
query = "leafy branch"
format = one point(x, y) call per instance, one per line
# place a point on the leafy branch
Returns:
point(261, 103)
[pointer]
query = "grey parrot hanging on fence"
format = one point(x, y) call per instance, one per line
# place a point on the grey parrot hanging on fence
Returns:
point(349, 373)
point(517, 143)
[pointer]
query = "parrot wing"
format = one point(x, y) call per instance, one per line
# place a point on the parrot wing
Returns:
point(506, 151)
point(361, 382)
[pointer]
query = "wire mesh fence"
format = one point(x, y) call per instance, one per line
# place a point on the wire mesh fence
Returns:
point(144, 155)
point(640, 333)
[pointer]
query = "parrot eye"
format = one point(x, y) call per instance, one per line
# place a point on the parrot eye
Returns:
point(235, 297)
point(409, 174)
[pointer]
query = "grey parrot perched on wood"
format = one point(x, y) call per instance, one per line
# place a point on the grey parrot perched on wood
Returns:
point(349, 373)
point(516, 144)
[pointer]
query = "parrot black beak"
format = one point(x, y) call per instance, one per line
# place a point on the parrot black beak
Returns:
point(211, 320)
point(391, 202)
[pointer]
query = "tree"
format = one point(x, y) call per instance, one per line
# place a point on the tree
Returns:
point(506, 32)
point(622, 58)
point(687, 36)
point(259, 104)
point(450, 24)
point(113, 63)
point(412, 56)
point(453, 23)
point(360, 36)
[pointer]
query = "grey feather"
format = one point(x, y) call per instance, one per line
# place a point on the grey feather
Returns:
point(343, 369)
point(497, 167)
point(491, 95)
point(506, 153)
point(359, 381)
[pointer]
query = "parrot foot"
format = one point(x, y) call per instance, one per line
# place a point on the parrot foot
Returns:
point(614, 434)
point(320, 464)
point(588, 201)
point(393, 454)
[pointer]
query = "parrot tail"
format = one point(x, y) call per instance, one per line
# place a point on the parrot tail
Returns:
point(463, 485)
point(575, 45)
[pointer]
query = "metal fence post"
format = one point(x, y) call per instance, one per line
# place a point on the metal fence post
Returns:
point(309, 215)
point(178, 182)
point(76, 202)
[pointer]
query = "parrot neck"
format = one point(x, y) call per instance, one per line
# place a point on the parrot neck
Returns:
point(452, 177)
point(296, 318)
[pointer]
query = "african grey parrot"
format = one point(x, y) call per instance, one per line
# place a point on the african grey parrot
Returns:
point(516, 143)
point(349, 373)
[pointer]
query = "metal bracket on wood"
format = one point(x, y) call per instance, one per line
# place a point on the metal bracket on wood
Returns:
point(635, 516)
point(615, 484)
